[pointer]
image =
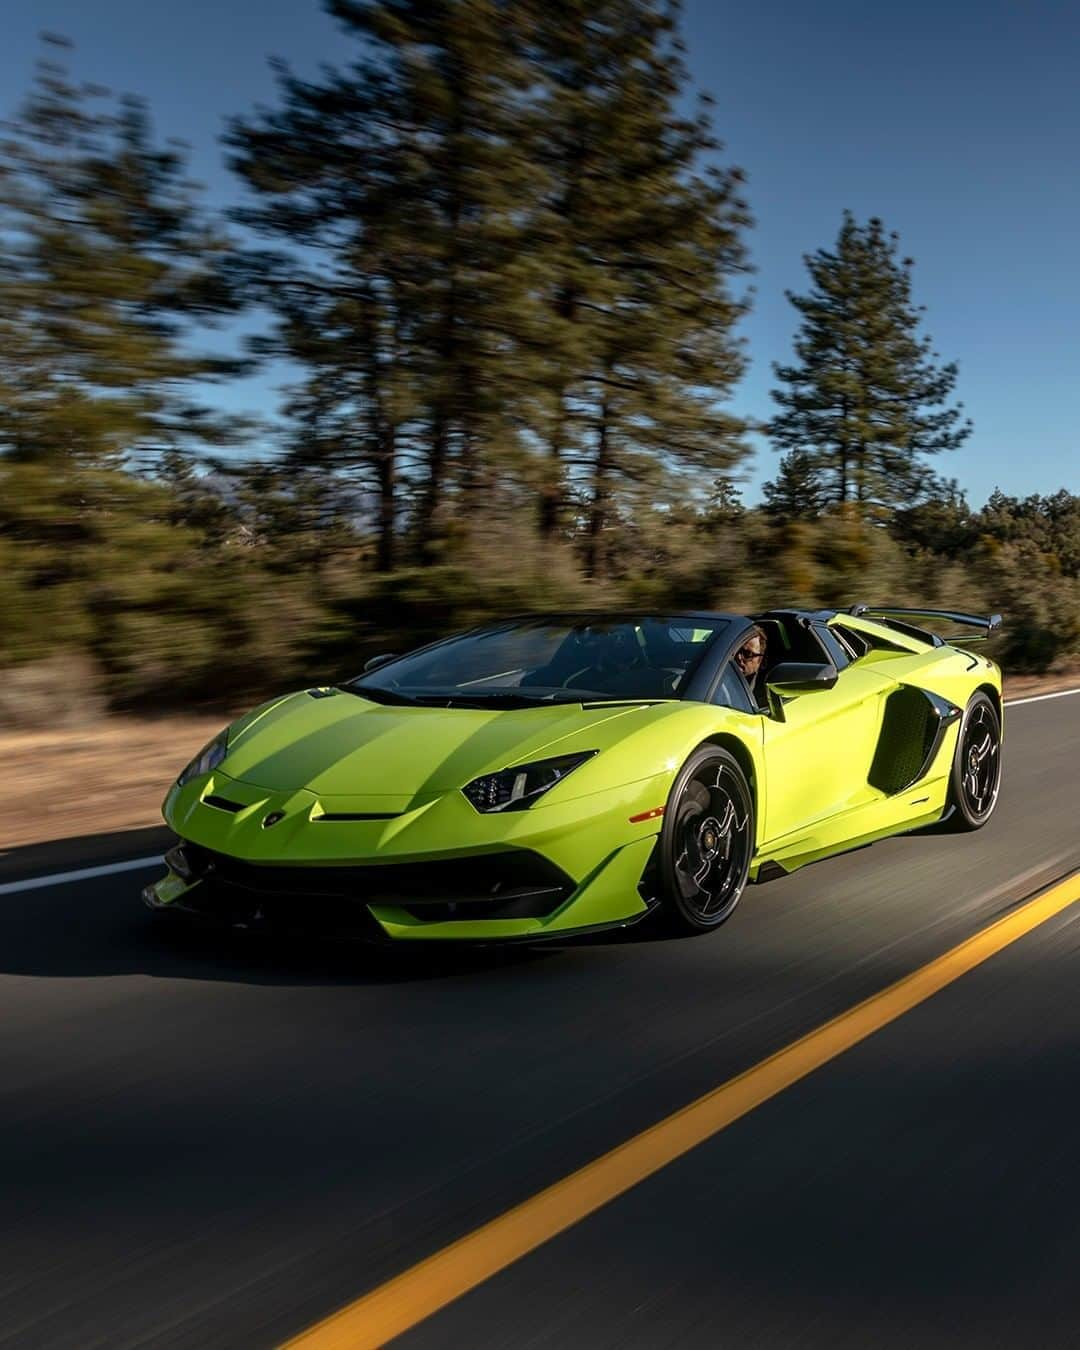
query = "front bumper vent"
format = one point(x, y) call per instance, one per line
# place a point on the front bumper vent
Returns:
point(514, 884)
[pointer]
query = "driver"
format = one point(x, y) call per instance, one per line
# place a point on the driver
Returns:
point(750, 655)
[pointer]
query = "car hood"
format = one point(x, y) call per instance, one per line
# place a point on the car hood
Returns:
point(338, 744)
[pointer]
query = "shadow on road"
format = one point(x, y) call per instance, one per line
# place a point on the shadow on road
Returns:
point(99, 928)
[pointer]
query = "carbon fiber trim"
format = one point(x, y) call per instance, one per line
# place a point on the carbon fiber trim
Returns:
point(514, 883)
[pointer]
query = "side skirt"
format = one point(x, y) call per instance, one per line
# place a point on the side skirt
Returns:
point(855, 830)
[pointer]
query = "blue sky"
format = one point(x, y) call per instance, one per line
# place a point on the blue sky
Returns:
point(957, 122)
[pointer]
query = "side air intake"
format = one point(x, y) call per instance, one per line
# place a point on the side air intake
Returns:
point(911, 733)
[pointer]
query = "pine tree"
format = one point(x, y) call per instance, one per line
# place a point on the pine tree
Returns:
point(640, 242)
point(523, 266)
point(867, 401)
point(796, 493)
point(401, 174)
point(324, 176)
point(109, 269)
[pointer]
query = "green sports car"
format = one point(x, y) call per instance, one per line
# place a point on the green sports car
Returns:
point(557, 774)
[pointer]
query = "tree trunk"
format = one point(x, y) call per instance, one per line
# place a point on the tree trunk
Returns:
point(842, 452)
point(601, 492)
point(448, 398)
point(384, 558)
point(433, 488)
point(380, 436)
point(566, 307)
point(551, 492)
point(378, 449)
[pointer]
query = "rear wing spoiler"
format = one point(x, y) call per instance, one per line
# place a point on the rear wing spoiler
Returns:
point(898, 618)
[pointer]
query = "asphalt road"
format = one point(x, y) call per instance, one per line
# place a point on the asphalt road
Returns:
point(206, 1142)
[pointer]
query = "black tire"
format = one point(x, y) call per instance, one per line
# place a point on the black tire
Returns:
point(706, 842)
point(975, 781)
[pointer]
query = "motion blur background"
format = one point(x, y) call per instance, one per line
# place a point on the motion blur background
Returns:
point(482, 309)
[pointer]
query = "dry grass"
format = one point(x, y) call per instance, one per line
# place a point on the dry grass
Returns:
point(112, 775)
point(1021, 686)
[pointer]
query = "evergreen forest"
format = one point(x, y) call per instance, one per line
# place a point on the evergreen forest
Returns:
point(501, 253)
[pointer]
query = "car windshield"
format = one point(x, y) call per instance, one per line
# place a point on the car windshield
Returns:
point(547, 660)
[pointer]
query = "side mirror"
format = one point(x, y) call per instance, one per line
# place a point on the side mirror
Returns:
point(801, 677)
point(797, 677)
point(377, 661)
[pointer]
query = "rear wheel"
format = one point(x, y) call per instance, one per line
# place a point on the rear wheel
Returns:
point(976, 769)
point(706, 842)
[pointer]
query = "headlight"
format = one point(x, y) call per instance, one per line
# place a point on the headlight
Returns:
point(517, 788)
point(207, 760)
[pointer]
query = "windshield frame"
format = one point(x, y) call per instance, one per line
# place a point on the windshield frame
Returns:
point(545, 696)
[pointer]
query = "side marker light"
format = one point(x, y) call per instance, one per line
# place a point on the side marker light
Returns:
point(647, 815)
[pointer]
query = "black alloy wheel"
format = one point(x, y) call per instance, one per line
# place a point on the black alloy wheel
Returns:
point(976, 769)
point(706, 842)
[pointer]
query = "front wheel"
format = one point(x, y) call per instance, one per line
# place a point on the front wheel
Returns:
point(976, 768)
point(706, 842)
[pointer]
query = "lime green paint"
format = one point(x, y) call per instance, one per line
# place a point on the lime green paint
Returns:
point(833, 730)
point(308, 757)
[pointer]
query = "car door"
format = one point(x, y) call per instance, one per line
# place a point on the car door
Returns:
point(817, 758)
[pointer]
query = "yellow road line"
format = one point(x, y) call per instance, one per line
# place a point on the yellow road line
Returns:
point(407, 1299)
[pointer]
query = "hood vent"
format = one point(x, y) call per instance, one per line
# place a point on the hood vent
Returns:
point(356, 815)
point(223, 803)
point(323, 692)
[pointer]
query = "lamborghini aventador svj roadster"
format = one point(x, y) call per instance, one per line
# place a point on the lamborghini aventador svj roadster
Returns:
point(555, 774)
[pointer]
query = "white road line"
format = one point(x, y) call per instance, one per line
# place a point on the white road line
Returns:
point(1038, 698)
point(81, 874)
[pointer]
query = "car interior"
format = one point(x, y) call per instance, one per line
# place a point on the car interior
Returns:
point(785, 640)
point(640, 660)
